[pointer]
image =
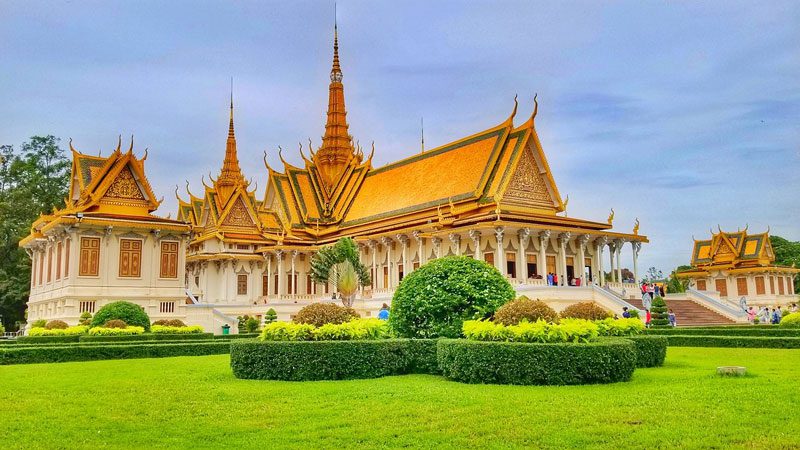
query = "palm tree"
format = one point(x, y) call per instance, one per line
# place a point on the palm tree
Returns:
point(340, 265)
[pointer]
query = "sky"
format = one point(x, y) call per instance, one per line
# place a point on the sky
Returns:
point(683, 114)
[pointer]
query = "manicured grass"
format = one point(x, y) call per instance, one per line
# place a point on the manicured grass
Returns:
point(195, 402)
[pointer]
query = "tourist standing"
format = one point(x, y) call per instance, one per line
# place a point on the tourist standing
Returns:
point(764, 316)
point(751, 315)
point(625, 313)
point(672, 318)
point(647, 318)
point(549, 279)
point(383, 314)
point(774, 316)
point(778, 315)
point(555, 279)
point(650, 291)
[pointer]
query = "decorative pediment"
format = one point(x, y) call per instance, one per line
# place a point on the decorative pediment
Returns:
point(528, 185)
point(124, 187)
point(238, 215)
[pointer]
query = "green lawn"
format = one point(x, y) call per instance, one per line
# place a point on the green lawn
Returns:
point(195, 402)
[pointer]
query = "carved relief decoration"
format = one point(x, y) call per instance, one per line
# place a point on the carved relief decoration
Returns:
point(125, 186)
point(238, 215)
point(528, 185)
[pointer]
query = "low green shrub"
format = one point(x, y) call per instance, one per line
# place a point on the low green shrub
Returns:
point(604, 361)
point(423, 353)
point(286, 331)
point(43, 339)
point(236, 336)
point(764, 331)
point(733, 341)
point(164, 329)
point(270, 316)
point(38, 323)
point(51, 354)
point(130, 313)
point(585, 310)
point(650, 350)
point(69, 331)
point(57, 325)
point(568, 330)
point(791, 320)
point(170, 323)
point(86, 318)
point(102, 331)
point(148, 337)
point(321, 360)
point(659, 313)
point(319, 314)
point(524, 308)
point(251, 325)
point(620, 327)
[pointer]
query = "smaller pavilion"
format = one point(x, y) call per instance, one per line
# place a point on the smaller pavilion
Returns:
point(736, 265)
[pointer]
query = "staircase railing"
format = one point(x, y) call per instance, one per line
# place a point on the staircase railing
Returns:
point(614, 298)
point(717, 305)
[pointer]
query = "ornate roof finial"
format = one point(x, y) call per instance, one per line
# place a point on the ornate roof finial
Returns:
point(336, 70)
point(611, 217)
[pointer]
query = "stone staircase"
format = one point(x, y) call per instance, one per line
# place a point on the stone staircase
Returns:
point(690, 313)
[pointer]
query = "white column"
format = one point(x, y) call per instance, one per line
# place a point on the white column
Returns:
point(387, 242)
point(636, 246)
point(269, 273)
point(373, 246)
point(281, 275)
point(544, 240)
point(475, 235)
point(403, 239)
point(455, 239)
point(563, 238)
point(580, 265)
point(601, 277)
point(500, 254)
point(293, 286)
point(522, 262)
point(611, 252)
point(437, 246)
point(420, 247)
point(618, 247)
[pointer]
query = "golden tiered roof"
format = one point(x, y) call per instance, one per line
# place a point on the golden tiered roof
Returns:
point(107, 191)
point(499, 175)
point(732, 251)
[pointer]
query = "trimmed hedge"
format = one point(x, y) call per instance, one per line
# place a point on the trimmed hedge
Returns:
point(319, 360)
point(729, 331)
point(130, 313)
point(734, 341)
point(148, 337)
point(236, 336)
point(51, 354)
point(423, 356)
point(43, 339)
point(650, 350)
point(606, 361)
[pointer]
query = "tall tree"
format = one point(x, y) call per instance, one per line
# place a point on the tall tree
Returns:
point(33, 180)
point(340, 265)
point(787, 253)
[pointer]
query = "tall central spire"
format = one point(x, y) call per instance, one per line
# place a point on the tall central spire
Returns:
point(231, 173)
point(337, 145)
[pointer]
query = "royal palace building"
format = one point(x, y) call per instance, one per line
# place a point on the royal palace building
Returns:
point(490, 196)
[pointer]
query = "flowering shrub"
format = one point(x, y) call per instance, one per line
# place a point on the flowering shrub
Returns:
point(115, 323)
point(585, 310)
point(524, 308)
point(163, 329)
point(86, 318)
point(319, 314)
point(359, 329)
point(69, 331)
point(102, 331)
point(170, 322)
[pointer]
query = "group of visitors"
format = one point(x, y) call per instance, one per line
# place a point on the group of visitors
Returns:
point(652, 290)
point(767, 316)
point(648, 317)
point(552, 279)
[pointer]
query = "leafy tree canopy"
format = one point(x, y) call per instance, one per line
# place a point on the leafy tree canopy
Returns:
point(787, 253)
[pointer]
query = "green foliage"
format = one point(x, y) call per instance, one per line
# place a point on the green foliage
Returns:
point(359, 329)
point(727, 331)
point(791, 320)
point(650, 350)
point(39, 323)
point(319, 314)
point(469, 361)
point(86, 318)
point(33, 180)
point(46, 339)
point(148, 337)
point(270, 316)
point(677, 285)
point(787, 253)
point(102, 331)
point(634, 314)
point(66, 331)
point(251, 325)
point(324, 360)
point(569, 330)
point(340, 265)
point(659, 313)
point(165, 329)
point(434, 300)
point(524, 308)
point(733, 341)
point(57, 325)
point(585, 310)
point(51, 354)
point(130, 313)
point(2, 329)
point(115, 323)
point(170, 323)
point(620, 327)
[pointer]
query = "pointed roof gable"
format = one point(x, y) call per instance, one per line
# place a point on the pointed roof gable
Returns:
point(733, 249)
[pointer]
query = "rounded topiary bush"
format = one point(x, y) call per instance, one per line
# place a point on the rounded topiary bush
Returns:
point(39, 323)
point(585, 310)
point(791, 320)
point(434, 300)
point(170, 323)
point(56, 325)
point(524, 308)
point(130, 313)
point(319, 314)
point(115, 323)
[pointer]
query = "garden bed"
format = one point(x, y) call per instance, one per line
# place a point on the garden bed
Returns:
point(761, 331)
point(733, 341)
point(50, 354)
